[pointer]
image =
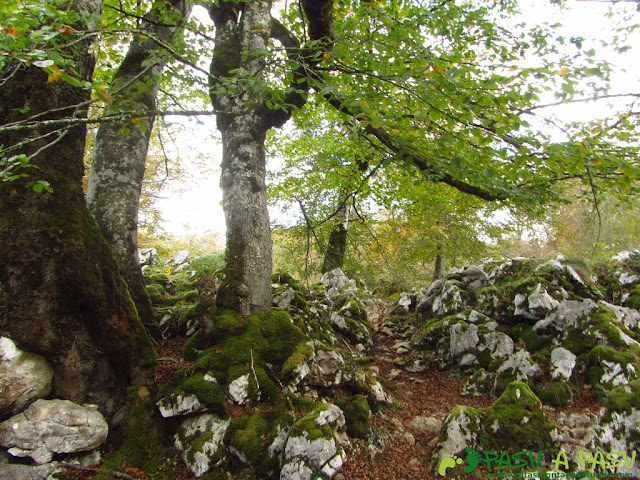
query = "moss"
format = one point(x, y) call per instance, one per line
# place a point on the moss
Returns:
point(516, 418)
point(307, 426)
point(157, 278)
point(144, 446)
point(623, 399)
point(250, 436)
point(530, 338)
point(156, 292)
point(603, 353)
point(286, 279)
point(207, 265)
point(301, 354)
point(633, 301)
point(193, 346)
point(208, 393)
point(558, 394)
point(357, 414)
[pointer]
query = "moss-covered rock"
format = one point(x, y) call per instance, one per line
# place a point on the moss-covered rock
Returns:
point(357, 415)
point(559, 394)
point(516, 418)
point(608, 367)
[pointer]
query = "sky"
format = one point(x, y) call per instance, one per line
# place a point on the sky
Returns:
point(196, 208)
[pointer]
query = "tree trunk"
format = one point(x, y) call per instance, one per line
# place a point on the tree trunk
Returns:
point(120, 153)
point(239, 94)
point(247, 277)
point(440, 269)
point(62, 294)
point(246, 285)
point(337, 245)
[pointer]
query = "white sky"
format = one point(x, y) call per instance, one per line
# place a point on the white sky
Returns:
point(196, 208)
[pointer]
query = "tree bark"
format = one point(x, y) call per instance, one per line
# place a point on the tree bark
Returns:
point(243, 30)
point(337, 245)
point(62, 294)
point(120, 152)
point(246, 284)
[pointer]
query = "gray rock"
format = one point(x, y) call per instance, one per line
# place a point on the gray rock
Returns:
point(24, 377)
point(474, 277)
point(500, 344)
point(177, 405)
point(179, 258)
point(519, 367)
point(303, 457)
point(562, 363)
point(198, 439)
point(27, 472)
point(459, 429)
point(326, 368)
point(284, 299)
point(566, 315)
point(463, 340)
point(536, 306)
point(53, 426)
point(147, 256)
point(425, 424)
point(239, 389)
point(337, 283)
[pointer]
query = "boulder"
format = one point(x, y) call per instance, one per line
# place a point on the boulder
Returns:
point(27, 472)
point(53, 426)
point(24, 378)
point(147, 256)
point(314, 448)
point(199, 439)
point(562, 363)
point(337, 283)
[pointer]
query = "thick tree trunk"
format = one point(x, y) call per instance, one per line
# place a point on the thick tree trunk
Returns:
point(120, 153)
point(62, 294)
point(247, 278)
point(239, 93)
point(337, 245)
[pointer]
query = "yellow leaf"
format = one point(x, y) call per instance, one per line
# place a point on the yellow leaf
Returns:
point(377, 125)
point(563, 71)
point(438, 70)
point(54, 74)
point(326, 56)
point(11, 31)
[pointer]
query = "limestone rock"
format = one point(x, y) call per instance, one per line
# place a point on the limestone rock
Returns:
point(178, 259)
point(519, 367)
point(425, 424)
point(147, 256)
point(176, 405)
point(53, 426)
point(239, 389)
point(536, 306)
point(318, 452)
point(337, 283)
point(284, 299)
point(27, 472)
point(24, 377)
point(565, 315)
point(199, 439)
point(326, 368)
point(562, 363)
point(459, 429)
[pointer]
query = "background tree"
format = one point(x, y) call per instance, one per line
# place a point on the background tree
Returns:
point(62, 294)
point(120, 150)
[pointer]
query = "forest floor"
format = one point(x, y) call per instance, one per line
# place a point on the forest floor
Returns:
point(406, 453)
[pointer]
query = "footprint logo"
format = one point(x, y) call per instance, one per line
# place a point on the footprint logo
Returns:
point(449, 461)
point(473, 458)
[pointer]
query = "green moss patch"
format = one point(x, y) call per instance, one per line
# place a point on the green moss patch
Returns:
point(516, 418)
point(357, 415)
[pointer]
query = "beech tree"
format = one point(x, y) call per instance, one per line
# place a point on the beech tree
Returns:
point(120, 150)
point(62, 295)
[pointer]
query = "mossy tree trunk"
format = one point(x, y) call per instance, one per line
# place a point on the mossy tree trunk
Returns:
point(62, 294)
point(337, 245)
point(239, 94)
point(120, 152)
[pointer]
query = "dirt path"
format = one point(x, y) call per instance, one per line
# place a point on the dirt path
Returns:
point(407, 451)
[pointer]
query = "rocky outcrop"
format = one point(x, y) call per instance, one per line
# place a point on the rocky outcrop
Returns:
point(24, 378)
point(48, 427)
